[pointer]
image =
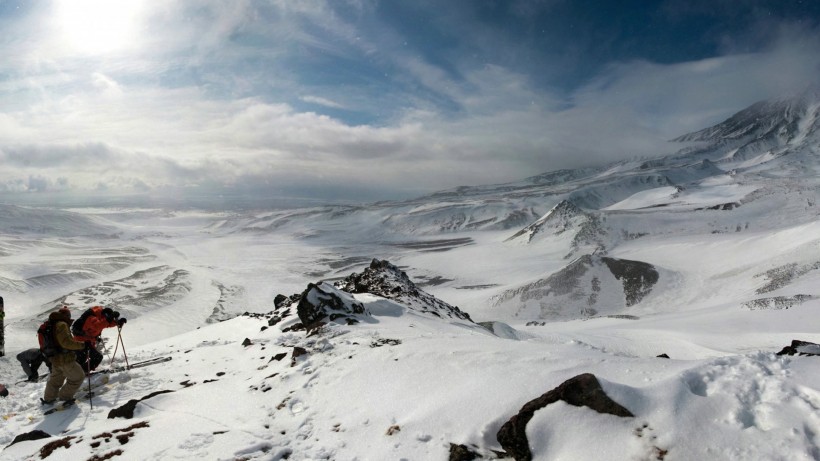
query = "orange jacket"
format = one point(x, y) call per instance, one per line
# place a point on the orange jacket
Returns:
point(94, 325)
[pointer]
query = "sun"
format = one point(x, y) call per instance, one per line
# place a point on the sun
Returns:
point(95, 27)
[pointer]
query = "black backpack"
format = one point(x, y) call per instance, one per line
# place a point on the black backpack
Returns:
point(48, 342)
point(77, 326)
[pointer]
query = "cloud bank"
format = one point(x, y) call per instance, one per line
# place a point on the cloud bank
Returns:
point(314, 98)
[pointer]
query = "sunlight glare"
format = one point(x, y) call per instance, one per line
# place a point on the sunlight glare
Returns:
point(98, 26)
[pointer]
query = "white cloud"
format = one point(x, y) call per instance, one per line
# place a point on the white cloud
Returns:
point(322, 101)
point(184, 108)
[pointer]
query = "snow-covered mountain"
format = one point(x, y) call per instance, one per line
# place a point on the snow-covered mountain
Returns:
point(526, 320)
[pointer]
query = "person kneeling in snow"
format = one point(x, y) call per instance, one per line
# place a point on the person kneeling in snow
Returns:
point(30, 360)
point(88, 328)
point(66, 374)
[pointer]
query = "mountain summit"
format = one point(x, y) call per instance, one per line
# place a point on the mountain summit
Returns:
point(783, 118)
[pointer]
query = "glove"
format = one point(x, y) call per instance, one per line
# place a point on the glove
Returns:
point(121, 322)
point(116, 315)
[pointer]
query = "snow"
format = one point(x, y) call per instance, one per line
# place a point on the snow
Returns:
point(723, 395)
point(704, 196)
point(736, 285)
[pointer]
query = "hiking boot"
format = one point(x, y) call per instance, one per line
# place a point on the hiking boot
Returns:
point(68, 402)
point(47, 402)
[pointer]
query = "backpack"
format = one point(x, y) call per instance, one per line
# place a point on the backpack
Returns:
point(45, 336)
point(77, 326)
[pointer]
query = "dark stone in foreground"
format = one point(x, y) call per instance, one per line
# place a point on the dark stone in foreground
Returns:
point(33, 435)
point(801, 348)
point(462, 453)
point(581, 391)
point(127, 411)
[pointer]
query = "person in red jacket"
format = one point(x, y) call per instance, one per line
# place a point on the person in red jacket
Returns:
point(88, 328)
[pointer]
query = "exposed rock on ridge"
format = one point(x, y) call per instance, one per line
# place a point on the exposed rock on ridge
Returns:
point(388, 281)
point(322, 301)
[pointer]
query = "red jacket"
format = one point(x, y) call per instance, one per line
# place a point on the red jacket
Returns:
point(94, 325)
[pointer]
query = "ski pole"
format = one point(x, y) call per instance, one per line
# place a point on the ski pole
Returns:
point(114, 355)
point(116, 346)
point(119, 339)
point(88, 373)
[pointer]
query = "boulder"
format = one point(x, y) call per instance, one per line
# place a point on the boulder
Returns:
point(325, 302)
point(798, 347)
point(582, 390)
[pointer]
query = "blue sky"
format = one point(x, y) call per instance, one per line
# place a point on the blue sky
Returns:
point(370, 100)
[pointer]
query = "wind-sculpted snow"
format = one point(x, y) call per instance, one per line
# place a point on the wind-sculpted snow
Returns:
point(55, 263)
point(142, 291)
point(49, 222)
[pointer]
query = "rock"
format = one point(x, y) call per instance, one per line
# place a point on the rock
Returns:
point(637, 277)
point(324, 301)
point(247, 342)
point(297, 352)
point(33, 435)
point(388, 281)
point(279, 299)
point(576, 290)
point(462, 453)
point(582, 390)
point(127, 411)
point(663, 356)
point(798, 347)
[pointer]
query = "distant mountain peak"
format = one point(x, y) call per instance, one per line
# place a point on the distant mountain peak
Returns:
point(564, 217)
point(779, 117)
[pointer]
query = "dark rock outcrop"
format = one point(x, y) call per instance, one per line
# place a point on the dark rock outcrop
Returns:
point(320, 302)
point(582, 390)
point(575, 290)
point(33, 435)
point(388, 281)
point(637, 277)
point(127, 411)
point(462, 453)
point(798, 347)
point(323, 302)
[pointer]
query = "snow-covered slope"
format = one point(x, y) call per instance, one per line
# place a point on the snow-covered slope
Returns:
point(292, 337)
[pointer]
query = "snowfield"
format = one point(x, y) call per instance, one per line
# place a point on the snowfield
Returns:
point(639, 311)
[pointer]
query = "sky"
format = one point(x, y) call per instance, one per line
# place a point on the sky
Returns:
point(369, 100)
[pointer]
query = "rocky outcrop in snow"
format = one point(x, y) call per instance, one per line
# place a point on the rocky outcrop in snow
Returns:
point(325, 302)
point(798, 347)
point(591, 285)
point(581, 391)
point(388, 281)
